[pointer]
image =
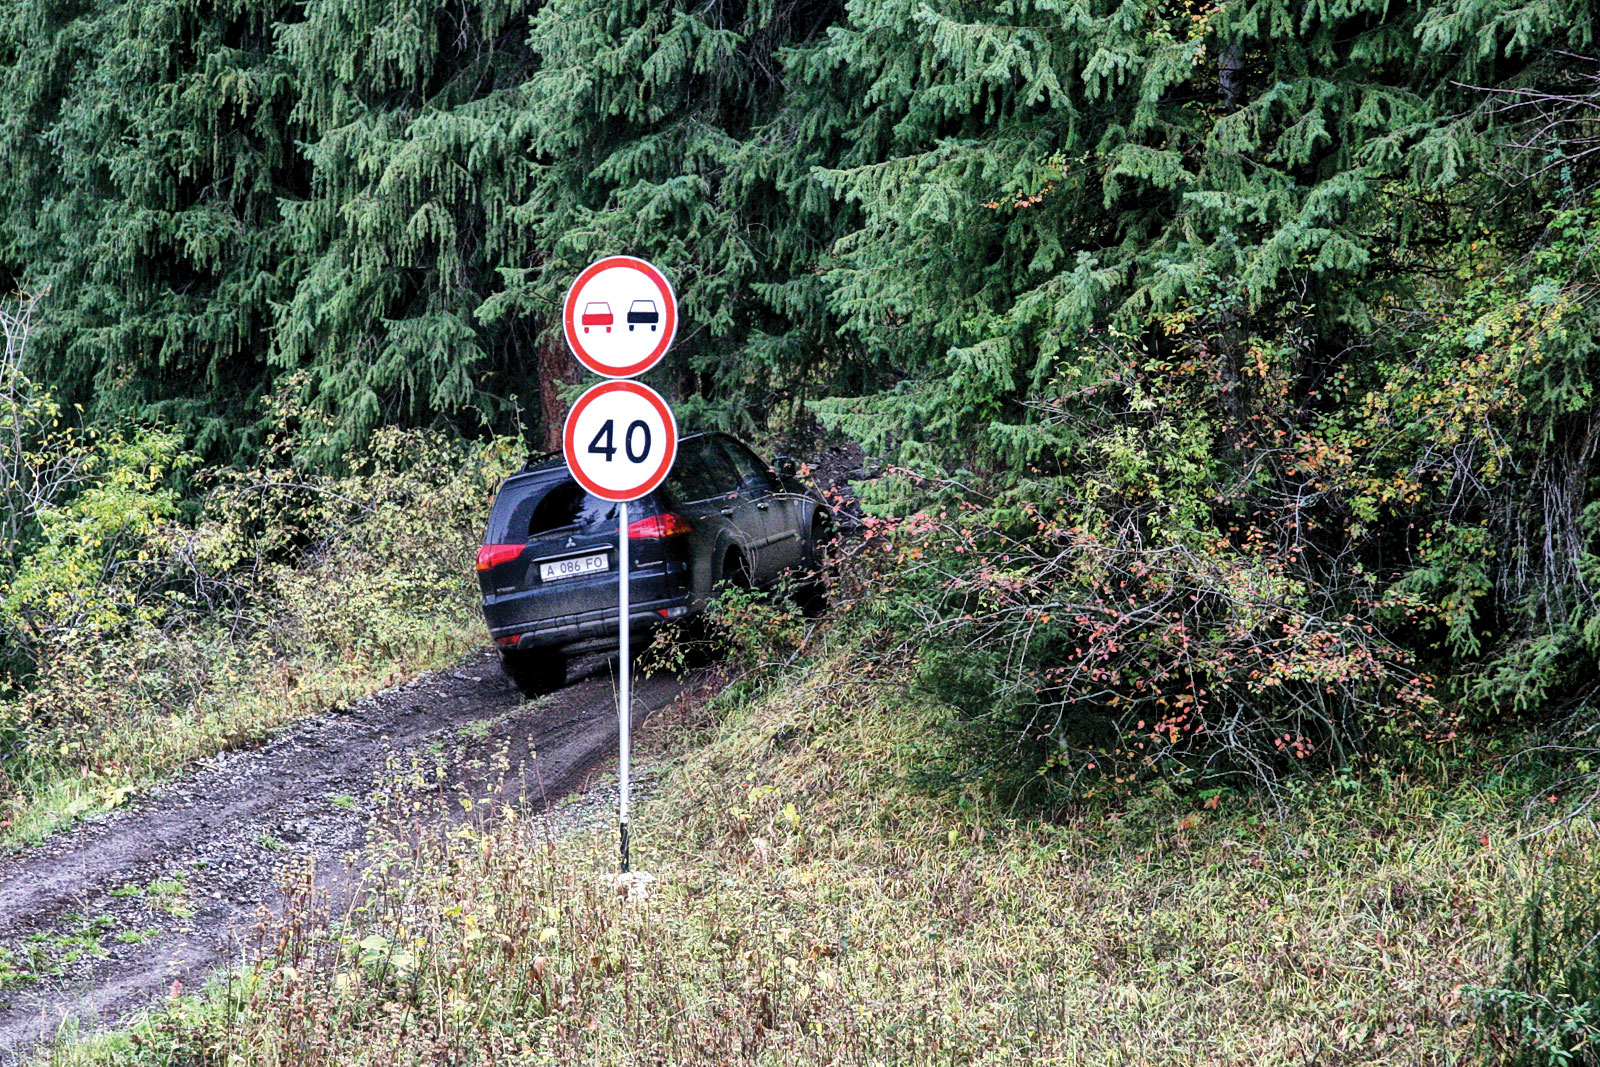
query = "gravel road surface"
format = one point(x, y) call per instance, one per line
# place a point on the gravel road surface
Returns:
point(100, 921)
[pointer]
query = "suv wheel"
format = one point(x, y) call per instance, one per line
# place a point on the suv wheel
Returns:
point(534, 671)
point(812, 594)
point(736, 571)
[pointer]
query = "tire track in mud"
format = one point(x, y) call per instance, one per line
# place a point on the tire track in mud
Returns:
point(100, 921)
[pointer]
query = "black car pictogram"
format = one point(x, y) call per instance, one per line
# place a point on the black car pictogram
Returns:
point(643, 313)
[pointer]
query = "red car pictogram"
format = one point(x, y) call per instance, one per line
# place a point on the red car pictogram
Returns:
point(597, 313)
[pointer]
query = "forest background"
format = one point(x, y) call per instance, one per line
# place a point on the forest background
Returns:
point(1276, 319)
point(1227, 368)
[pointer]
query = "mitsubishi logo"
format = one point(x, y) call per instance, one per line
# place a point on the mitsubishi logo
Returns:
point(570, 542)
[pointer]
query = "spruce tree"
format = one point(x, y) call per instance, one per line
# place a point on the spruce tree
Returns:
point(1041, 171)
point(147, 144)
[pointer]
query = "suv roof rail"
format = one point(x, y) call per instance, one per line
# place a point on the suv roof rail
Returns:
point(539, 460)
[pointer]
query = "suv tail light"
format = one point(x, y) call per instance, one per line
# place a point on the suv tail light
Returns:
point(658, 526)
point(494, 555)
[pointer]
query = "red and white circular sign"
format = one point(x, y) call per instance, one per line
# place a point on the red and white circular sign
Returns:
point(620, 316)
point(620, 440)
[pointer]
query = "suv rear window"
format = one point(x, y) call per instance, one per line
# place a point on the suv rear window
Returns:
point(701, 471)
point(528, 510)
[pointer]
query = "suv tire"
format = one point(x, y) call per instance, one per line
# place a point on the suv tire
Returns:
point(534, 671)
point(812, 594)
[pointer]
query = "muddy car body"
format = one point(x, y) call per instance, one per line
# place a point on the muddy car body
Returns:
point(548, 566)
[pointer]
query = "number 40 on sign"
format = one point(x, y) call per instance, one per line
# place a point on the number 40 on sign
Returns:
point(620, 440)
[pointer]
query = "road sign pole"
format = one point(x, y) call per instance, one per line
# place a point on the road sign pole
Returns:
point(620, 317)
point(625, 669)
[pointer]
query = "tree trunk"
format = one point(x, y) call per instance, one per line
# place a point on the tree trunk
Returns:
point(556, 368)
point(1230, 75)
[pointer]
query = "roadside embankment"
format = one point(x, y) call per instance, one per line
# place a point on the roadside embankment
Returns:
point(832, 886)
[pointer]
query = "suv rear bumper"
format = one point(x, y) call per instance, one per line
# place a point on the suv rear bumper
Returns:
point(590, 630)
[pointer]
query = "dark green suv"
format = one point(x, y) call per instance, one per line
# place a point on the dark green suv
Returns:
point(548, 566)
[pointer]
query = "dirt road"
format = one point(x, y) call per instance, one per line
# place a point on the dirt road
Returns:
point(101, 921)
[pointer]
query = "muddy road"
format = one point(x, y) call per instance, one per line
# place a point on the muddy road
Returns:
point(105, 919)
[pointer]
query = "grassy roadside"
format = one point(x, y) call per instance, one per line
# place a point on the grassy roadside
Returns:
point(823, 899)
point(286, 595)
point(234, 708)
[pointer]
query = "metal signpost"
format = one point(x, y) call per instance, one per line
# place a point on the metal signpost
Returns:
point(620, 438)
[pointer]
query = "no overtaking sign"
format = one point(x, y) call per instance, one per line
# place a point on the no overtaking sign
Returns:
point(620, 316)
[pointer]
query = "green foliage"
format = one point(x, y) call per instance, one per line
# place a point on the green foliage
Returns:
point(668, 131)
point(149, 636)
point(1234, 364)
point(1275, 319)
point(147, 150)
point(393, 197)
point(1251, 352)
point(417, 137)
point(73, 584)
point(1546, 1010)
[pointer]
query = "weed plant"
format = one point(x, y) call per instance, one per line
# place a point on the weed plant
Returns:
point(1545, 1010)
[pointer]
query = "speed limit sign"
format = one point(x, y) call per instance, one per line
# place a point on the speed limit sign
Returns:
point(620, 440)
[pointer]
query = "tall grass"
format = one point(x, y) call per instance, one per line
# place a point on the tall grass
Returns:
point(1544, 1011)
point(835, 887)
point(289, 593)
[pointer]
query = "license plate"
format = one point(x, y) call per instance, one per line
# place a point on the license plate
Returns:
point(573, 568)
